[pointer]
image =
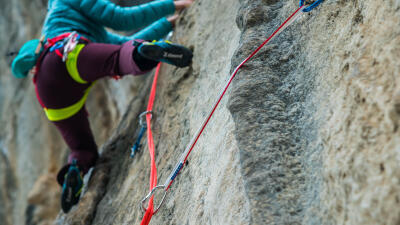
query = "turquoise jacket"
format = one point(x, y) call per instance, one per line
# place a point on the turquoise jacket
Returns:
point(90, 17)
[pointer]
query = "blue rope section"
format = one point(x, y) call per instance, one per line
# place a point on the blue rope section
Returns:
point(56, 46)
point(311, 7)
point(177, 170)
point(137, 144)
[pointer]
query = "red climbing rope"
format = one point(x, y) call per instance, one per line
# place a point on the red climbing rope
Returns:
point(185, 155)
point(153, 172)
point(194, 140)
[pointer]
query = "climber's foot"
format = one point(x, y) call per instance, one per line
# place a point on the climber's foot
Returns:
point(165, 51)
point(72, 188)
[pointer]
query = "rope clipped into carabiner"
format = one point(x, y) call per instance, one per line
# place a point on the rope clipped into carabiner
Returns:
point(181, 163)
point(149, 211)
point(310, 7)
point(150, 142)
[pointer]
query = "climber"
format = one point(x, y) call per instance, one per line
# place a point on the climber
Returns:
point(77, 51)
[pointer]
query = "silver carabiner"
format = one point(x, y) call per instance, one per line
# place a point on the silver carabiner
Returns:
point(142, 120)
point(150, 194)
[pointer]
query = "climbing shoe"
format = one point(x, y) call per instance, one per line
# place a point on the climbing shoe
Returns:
point(167, 52)
point(72, 187)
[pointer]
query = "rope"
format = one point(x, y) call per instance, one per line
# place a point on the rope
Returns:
point(179, 166)
point(153, 172)
point(189, 149)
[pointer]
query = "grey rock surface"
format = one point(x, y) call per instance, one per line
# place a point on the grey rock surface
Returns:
point(307, 134)
point(311, 109)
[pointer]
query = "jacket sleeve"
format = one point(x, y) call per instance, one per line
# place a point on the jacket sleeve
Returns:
point(155, 31)
point(117, 39)
point(120, 18)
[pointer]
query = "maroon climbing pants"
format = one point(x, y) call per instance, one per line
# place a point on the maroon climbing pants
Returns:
point(56, 89)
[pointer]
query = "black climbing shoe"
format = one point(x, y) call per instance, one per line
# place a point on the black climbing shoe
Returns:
point(72, 187)
point(165, 51)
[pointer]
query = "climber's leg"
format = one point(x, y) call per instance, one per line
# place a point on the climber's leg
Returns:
point(79, 138)
point(98, 60)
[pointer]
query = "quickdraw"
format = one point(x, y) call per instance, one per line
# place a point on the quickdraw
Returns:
point(183, 159)
point(136, 147)
point(311, 6)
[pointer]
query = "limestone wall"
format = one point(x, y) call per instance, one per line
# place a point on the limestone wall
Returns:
point(307, 134)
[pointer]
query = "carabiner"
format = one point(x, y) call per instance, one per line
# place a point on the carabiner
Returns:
point(310, 7)
point(142, 118)
point(151, 193)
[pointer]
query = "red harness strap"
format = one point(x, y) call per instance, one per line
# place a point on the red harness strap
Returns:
point(153, 172)
point(54, 40)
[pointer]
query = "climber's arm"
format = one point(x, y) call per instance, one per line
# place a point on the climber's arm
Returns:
point(124, 18)
point(117, 39)
point(156, 31)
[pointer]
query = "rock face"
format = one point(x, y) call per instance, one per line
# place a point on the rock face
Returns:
point(307, 134)
point(26, 141)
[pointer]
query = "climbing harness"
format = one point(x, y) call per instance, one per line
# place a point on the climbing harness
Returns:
point(183, 159)
point(67, 40)
point(73, 43)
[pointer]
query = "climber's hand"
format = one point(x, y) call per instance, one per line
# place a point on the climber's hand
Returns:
point(172, 19)
point(181, 4)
